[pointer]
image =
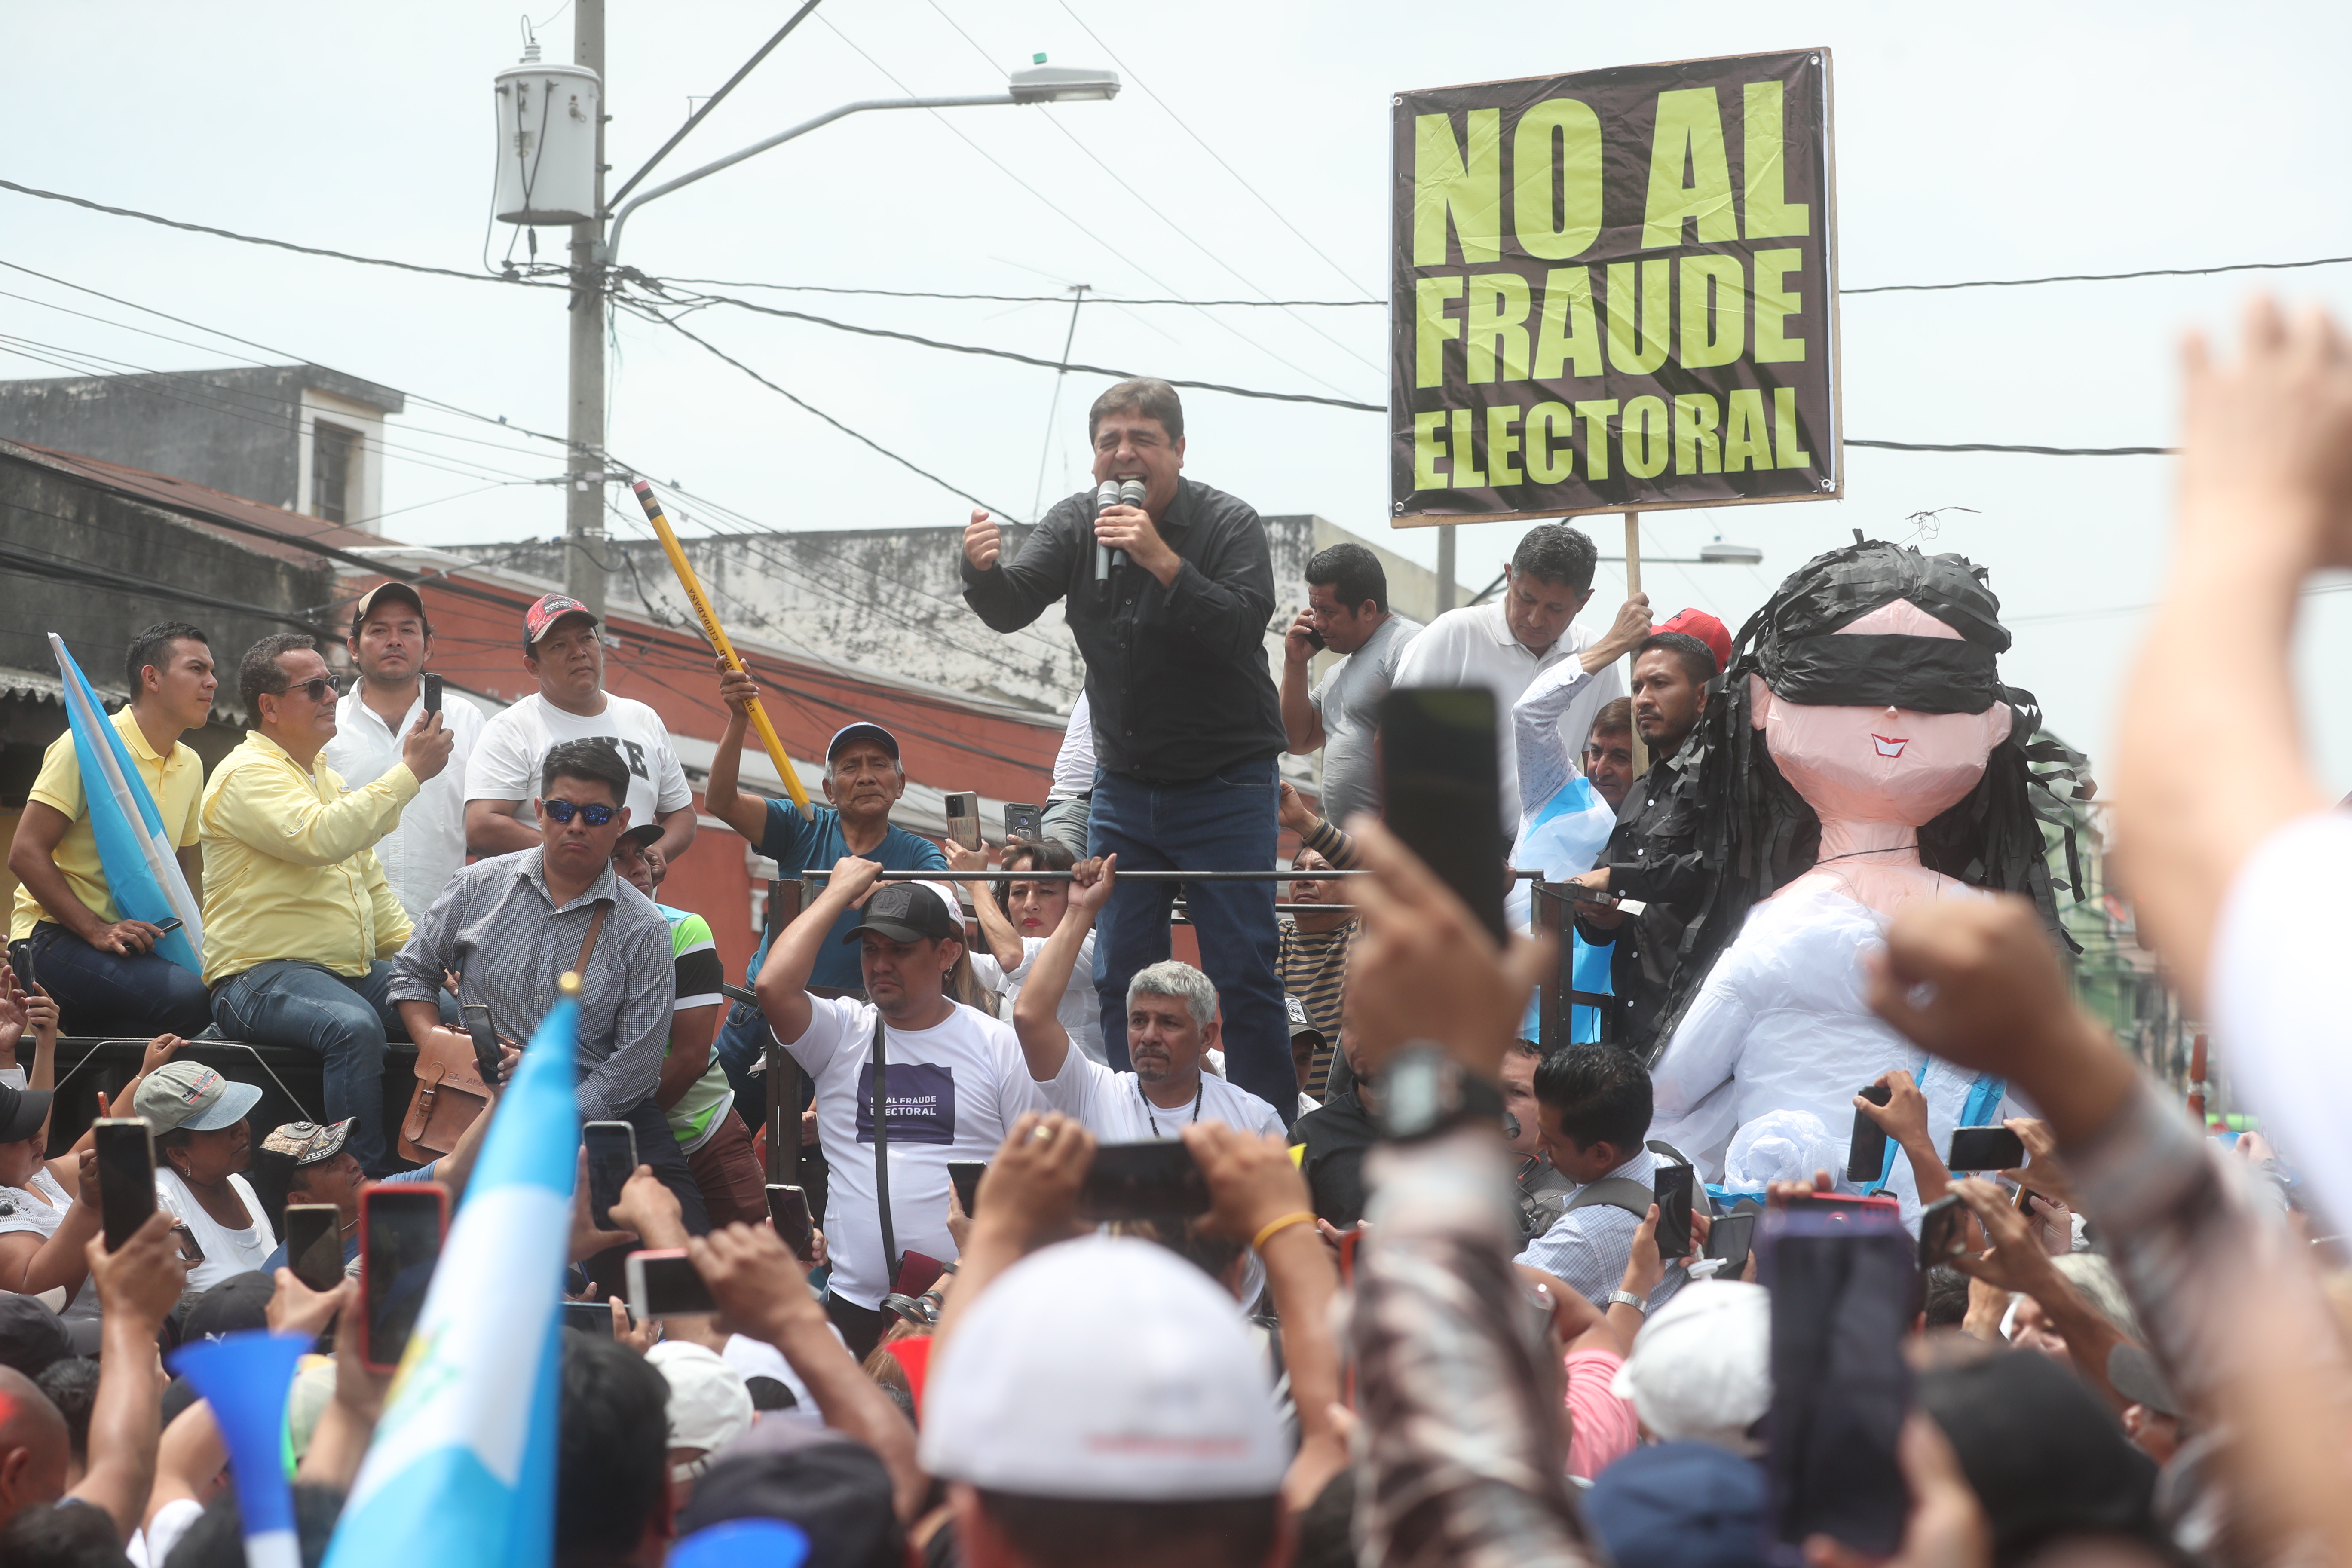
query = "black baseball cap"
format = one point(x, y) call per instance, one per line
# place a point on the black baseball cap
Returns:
point(789, 1467)
point(31, 1336)
point(907, 912)
point(21, 1112)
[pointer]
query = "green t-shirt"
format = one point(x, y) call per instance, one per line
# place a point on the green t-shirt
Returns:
point(699, 975)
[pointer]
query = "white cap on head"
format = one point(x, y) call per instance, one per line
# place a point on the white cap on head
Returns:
point(709, 1405)
point(1702, 1369)
point(1108, 1370)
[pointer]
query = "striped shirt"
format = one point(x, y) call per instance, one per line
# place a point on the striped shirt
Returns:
point(699, 971)
point(1314, 964)
point(521, 944)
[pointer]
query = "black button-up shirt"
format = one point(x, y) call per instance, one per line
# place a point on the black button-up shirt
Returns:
point(1176, 677)
point(1653, 855)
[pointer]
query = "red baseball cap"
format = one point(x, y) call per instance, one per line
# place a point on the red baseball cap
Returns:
point(541, 618)
point(1700, 625)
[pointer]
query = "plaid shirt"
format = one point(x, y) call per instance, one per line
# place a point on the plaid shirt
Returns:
point(1463, 1446)
point(523, 944)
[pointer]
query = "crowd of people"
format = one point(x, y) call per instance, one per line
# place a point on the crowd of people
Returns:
point(1417, 1293)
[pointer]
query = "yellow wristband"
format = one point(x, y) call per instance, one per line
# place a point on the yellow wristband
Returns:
point(1274, 1228)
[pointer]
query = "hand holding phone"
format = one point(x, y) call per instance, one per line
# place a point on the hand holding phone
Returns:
point(314, 1243)
point(963, 817)
point(433, 694)
point(1943, 1231)
point(126, 1175)
point(1985, 1149)
point(1865, 1156)
point(1844, 1289)
point(1021, 822)
point(487, 1059)
point(1440, 790)
point(788, 1211)
point(1157, 1178)
point(1671, 1184)
point(612, 1147)
point(663, 1283)
point(400, 1230)
point(966, 1176)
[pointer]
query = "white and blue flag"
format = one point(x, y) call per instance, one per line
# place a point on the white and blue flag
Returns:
point(142, 871)
point(462, 1470)
point(1564, 836)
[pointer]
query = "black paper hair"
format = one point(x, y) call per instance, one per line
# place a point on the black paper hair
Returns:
point(1758, 833)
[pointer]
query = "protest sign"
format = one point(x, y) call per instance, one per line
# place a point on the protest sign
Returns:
point(1615, 290)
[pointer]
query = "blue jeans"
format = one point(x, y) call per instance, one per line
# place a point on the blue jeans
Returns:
point(287, 1002)
point(101, 992)
point(1224, 822)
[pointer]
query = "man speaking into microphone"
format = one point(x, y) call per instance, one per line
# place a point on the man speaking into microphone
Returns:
point(1170, 591)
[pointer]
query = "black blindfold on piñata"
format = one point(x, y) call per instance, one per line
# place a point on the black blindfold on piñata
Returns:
point(1803, 660)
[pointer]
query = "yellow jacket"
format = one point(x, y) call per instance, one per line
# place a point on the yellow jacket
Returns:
point(289, 872)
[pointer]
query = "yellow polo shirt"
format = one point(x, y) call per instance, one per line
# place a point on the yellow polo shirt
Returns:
point(176, 784)
point(289, 872)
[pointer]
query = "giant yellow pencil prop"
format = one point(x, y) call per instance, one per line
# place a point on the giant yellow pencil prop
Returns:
point(718, 636)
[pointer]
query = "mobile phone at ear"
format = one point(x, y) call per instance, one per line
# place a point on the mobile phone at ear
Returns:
point(1865, 1152)
point(966, 1175)
point(1672, 1186)
point(1154, 1179)
point(1844, 1292)
point(401, 1228)
point(963, 817)
point(314, 1243)
point(433, 694)
point(1438, 763)
point(788, 1211)
point(1985, 1149)
point(612, 1148)
point(663, 1283)
point(126, 1175)
point(592, 1317)
point(1729, 1238)
point(485, 1035)
point(1943, 1231)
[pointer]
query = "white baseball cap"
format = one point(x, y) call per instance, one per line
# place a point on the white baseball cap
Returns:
point(1702, 1369)
point(1105, 1369)
point(710, 1407)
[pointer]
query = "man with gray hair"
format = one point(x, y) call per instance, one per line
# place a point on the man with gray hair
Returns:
point(1172, 1023)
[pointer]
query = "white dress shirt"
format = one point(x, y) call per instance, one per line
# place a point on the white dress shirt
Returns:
point(428, 847)
point(1474, 646)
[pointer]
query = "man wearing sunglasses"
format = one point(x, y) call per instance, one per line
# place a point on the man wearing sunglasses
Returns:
point(509, 926)
point(300, 922)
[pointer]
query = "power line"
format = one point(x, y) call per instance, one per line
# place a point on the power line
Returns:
point(1014, 299)
point(2033, 451)
point(710, 103)
point(1022, 358)
point(2101, 276)
point(1121, 257)
point(808, 408)
point(1148, 205)
point(508, 277)
point(1212, 152)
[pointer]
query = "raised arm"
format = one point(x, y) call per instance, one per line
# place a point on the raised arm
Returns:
point(1035, 1014)
point(783, 984)
point(270, 808)
point(1302, 724)
point(137, 1288)
point(747, 815)
point(1009, 594)
point(1005, 944)
point(763, 1293)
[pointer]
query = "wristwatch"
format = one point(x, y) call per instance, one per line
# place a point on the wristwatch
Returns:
point(1639, 1304)
point(1424, 1093)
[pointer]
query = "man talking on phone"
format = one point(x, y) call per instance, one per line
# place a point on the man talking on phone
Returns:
point(1169, 602)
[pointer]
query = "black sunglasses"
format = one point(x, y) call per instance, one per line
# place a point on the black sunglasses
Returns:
point(595, 814)
point(318, 688)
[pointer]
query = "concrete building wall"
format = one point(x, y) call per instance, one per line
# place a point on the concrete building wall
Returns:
point(250, 431)
point(891, 600)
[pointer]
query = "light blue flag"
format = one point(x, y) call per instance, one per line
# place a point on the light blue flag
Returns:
point(1564, 837)
point(142, 871)
point(462, 1470)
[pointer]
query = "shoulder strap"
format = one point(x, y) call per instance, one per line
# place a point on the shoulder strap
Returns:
point(1616, 1192)
point(882, 1157)
point(588, 943)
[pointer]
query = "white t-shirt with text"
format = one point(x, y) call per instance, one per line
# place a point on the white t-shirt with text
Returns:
point(507, 757)
point(955, 1089)
point(1112, 1106)
point(1080, 1012)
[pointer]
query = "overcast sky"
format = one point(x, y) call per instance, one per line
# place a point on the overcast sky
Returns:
point(2005, 141)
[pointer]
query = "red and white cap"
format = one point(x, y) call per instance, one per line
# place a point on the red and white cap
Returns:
point(541, 618)
point(1104, 1369)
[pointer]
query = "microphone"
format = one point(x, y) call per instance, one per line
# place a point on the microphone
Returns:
point(1130, 493)
point(1106, 497)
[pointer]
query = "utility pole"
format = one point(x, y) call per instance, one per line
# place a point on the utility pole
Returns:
point(1446, 590)
point(583, 490)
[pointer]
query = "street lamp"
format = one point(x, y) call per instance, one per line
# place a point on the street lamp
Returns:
point(1037, 84)
point(1721, 555)
point(566, 119)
